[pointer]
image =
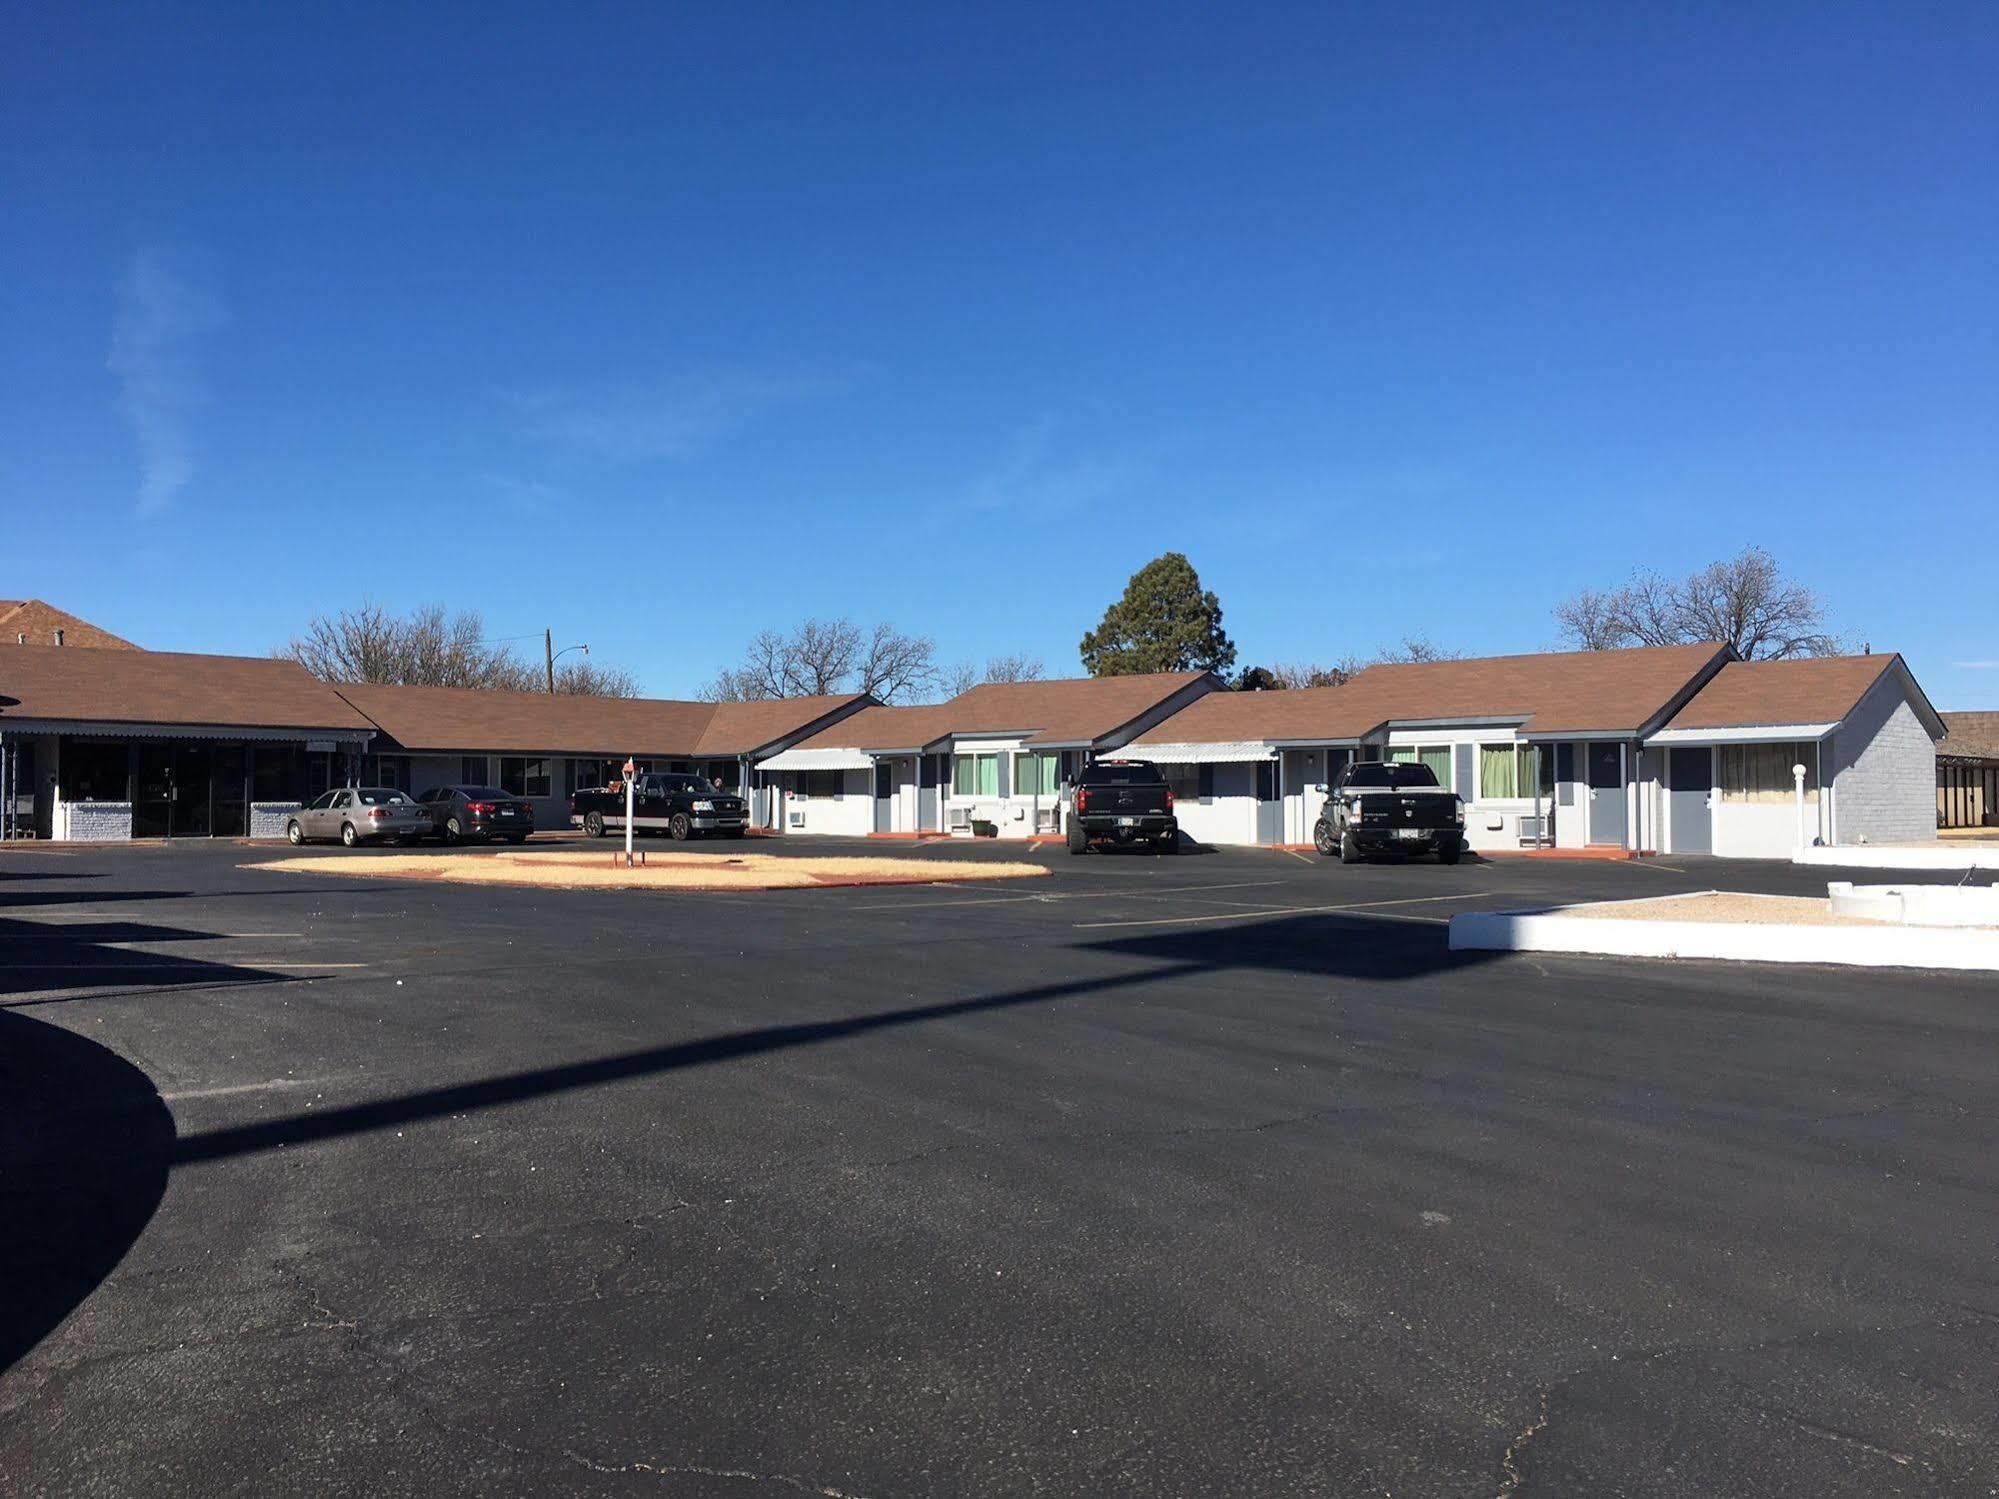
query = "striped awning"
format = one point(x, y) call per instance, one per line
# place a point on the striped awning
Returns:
point(818, 759)
point(1235, 753)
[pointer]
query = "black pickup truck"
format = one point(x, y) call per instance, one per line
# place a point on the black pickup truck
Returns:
point(673, 802)
point(1122, 801)
point(1381, 807)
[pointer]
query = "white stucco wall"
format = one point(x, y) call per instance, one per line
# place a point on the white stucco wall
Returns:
point(850, 814)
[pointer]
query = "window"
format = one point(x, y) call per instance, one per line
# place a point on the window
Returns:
point(382, 796)
point(472, 770)
point(520, 777)
point(323, 802)
point(1396, 775)
point(1184, 781)
point(1034, 775)
point(1761, 773)
point(975, 775)
point(1436, 756)
point(277, 773)
point(820, 782)
point(387, 770)
point(342, 799)
point(93, 770)
point(1514, 770)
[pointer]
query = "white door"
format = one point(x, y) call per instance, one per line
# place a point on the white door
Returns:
point(1305, 771)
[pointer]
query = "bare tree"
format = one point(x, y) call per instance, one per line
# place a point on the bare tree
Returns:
point(590, 679)
point(1315, 673)
point(1417, 649)
point(1744, 601)
point(1593, 619)
point(425, 649)
point(822, 656)
point(896, 667)
point(1017, 666)
point(430, 648)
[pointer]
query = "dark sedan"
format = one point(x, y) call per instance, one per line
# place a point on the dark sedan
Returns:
point(461, 813)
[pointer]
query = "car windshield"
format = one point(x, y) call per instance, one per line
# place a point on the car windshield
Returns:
point(1400, 776)
point(383, 796)
point(1132, 773)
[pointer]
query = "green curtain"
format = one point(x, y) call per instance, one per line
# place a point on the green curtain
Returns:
point(1497, 772)
point(988, 775)
point(1034, 775)
point(964, 775)
point(1438, 758)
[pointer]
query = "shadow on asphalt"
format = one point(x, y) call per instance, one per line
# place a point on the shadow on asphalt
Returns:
point(1332, 945)
point(85, 1144)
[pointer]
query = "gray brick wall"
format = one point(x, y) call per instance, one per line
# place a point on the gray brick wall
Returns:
point(96, 822)
point(1884, 771)
point(267, 819)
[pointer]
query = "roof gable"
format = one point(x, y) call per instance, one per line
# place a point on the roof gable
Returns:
point(1808, 690)
point(39, 621)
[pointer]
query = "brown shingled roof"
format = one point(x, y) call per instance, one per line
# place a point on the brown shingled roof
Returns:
point(884, 728)
point(1973, 736)
point(1551, 692)
point(167, 687)
point(1070, 710)
point(1749, 694)
point(39, 621)
point(468, 718)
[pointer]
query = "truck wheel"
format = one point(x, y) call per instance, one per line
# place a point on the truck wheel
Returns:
point(679, 827)
point(1169, 843)
point(593, 824)
point(1079, 841)
point(1323, 839)
point(1449, 854)
point(1349, 850)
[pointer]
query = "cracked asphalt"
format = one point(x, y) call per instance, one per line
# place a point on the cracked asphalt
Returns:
point(1213, 1174)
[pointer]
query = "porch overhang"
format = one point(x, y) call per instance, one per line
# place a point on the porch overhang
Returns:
point(1238, 752)
point(1769, 733)
point(104, 729)
point(818, 759)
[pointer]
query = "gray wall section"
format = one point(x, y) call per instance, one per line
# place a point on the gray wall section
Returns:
point(1883, 770)
point(1461, 771)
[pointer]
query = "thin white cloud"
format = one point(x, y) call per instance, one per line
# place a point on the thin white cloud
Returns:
point(1976, 665)
point(162, 313)
point(672, 418)
point(1028, 476)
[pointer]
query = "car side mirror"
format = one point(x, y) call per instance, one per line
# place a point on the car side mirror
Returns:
point(1322, 788)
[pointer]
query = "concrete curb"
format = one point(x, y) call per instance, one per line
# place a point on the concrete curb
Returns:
point(1551, 930)
point(1901, 856)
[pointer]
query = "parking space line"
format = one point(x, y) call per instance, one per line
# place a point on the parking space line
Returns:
point(1366, 905)
point(1007, 900)
point(184, 965)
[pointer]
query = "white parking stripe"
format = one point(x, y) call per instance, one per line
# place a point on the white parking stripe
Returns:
point(1053, 895)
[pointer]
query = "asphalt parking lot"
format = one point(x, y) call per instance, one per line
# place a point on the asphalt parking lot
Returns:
point(1198, 1175)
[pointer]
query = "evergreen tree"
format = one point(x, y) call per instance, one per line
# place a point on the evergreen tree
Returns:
point(1164, 622)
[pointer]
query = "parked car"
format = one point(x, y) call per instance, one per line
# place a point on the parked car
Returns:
point(355, 814)
point(1122, 801)
point(458, 813)
point(677, 803)
point(1390, 806)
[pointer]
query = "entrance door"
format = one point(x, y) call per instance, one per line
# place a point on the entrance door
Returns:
point(1690, 791)
point(152, 802)
point(1305, 772)
point(1606, 793)
point(884, 796)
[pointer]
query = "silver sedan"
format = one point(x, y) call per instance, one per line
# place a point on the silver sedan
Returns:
point(354, 814)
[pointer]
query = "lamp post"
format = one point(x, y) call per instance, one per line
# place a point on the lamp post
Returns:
point(1798, 779)
point(550, 655)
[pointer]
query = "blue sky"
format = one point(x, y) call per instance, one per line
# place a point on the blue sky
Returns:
point(1394, 318)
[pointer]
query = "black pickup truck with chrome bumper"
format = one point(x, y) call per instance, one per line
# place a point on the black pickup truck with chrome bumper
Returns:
point(1390, 807)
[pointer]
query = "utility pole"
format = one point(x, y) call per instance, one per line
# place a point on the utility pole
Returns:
point(548, 656)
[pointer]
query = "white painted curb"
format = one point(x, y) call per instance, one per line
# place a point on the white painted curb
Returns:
point(1891, 947)
point(1902, 856)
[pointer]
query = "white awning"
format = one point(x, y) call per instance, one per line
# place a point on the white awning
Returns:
point(818, 759)
point(1234, 753)
point(1769, 733)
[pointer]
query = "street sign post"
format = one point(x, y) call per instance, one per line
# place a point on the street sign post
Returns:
point(631, 806)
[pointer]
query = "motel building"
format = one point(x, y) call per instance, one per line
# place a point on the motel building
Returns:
point(117, 743)
point(1678, 749)
point(1673, 749)
point(542, 747)
point(1001, 755)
